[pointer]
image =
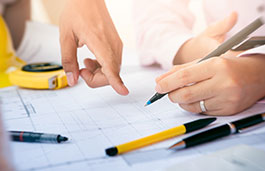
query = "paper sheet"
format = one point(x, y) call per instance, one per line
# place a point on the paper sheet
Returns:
point(237, 158)
point(95, 119)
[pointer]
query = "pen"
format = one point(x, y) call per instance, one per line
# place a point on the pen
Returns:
point(36, 137)
point(228, 44)
point(220, 131)
point(163, 135)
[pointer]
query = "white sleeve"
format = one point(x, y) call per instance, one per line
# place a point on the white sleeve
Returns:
point(162, 26)
point(254, 51)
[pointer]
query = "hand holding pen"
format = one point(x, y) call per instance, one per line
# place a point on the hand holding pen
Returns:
point(221, 84)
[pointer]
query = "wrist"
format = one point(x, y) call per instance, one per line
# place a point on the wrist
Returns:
point(195, 48)
point(255, 64)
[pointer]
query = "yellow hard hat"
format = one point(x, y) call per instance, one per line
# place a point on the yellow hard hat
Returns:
point(7, 54)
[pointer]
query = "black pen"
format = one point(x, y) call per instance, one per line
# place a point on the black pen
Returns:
point(224, 47)
point(36, 137)
point(220, 131)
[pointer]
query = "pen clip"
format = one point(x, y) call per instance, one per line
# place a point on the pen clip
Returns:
point(250, 128)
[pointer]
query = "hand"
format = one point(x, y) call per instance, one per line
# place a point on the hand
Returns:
point(227, 85)
point(207, 41)
point(87, 22)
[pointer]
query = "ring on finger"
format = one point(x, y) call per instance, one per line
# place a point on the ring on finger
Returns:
point(202, 106)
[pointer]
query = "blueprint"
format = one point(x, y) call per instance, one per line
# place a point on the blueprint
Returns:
point(95, 119)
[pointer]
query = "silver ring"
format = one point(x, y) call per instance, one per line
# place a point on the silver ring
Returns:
point(202, 105)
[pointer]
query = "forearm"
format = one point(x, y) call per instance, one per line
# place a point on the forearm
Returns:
point(16, 14)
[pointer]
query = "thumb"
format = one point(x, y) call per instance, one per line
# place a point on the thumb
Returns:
point(69, 58)
point(219, 29)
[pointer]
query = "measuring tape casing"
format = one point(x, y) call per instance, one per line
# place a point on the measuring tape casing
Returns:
point(39, 76)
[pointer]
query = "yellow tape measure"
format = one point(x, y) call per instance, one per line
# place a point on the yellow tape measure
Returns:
point(39, 76)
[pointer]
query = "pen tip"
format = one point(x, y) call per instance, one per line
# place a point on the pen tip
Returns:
point(62, 139)
point(148, 103)
point(111, 151)
point(212, 119)
point(209, 120)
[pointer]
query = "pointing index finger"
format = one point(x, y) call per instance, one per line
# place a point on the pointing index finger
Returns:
point(115, 80)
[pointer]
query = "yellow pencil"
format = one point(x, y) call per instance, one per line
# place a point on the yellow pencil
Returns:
point(163, 135)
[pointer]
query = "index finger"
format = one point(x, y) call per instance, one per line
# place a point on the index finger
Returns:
point(115, 80)
point(110, 63)
point(189, 75)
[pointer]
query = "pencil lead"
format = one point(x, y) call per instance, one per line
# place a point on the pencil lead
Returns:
point(179, 145)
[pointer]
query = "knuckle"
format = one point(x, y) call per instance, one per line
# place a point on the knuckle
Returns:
point(215, 61)
point(174, 68)
point(234, 84)
point(183, 77)
point(194, 109)
point(222, 63)
point(183, 107)
point(95, 35)
point(164, 86)
point(65, 36)
point(100, 27)
point(186, 95)
point(157, 80)
point(67, 61)
point(91, 85)
point(190, 108)
point(172, 97)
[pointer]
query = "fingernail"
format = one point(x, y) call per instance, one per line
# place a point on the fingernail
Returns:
point(158, 88)
point(70, 78)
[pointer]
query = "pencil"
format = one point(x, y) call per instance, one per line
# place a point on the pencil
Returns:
point(163, 135)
